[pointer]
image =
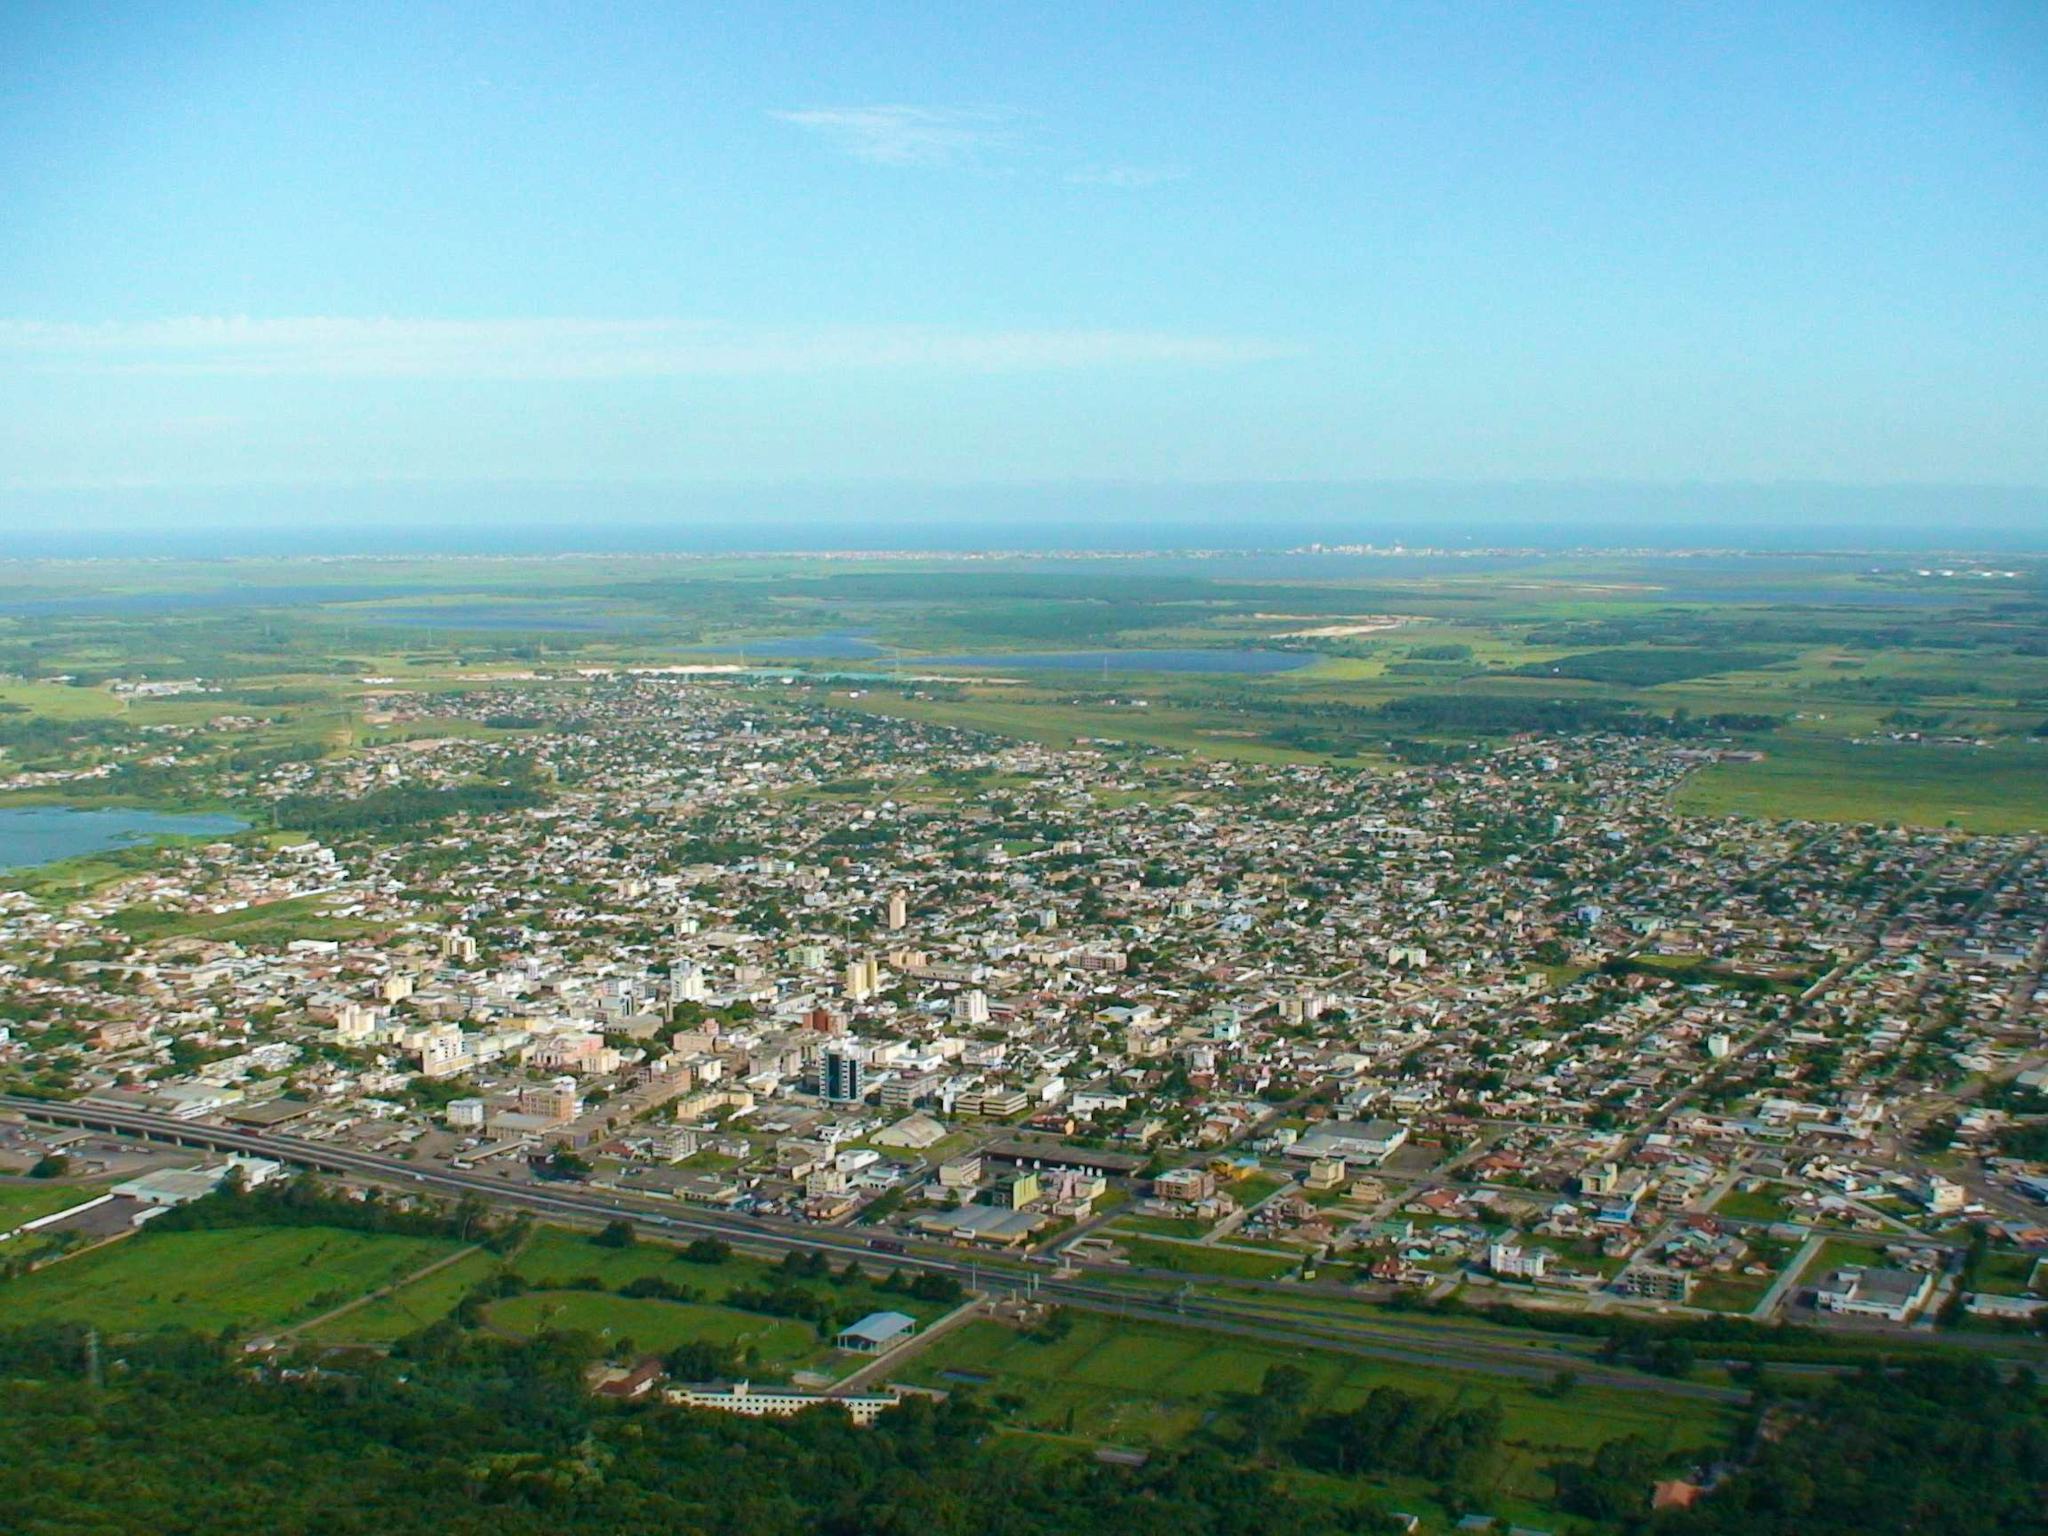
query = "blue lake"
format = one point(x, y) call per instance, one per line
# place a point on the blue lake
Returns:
point(1128, 661)
point(43, 834)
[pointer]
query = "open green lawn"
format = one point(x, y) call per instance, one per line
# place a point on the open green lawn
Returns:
point(25, 1199)
point(1581, 1253)
point(1251, 1189)
point(1765, 1204)
point(1034, 717)
point(411, 1307)
point(777, 1345)
point(1194, 1259)
point(2008, 1273)
point(556, 1256)
point(1159, 1226)
point(274, 923)
point(1152, 1384)
point(1730, 1293)
point(239, 1278)
point(1990, 789)
point(1839, 1252)
point(62, 701)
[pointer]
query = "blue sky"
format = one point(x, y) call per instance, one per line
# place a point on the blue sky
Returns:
point(466, 244)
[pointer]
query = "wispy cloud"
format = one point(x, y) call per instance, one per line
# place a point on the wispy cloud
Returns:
point(1128, 176)
point(340, 347)
point(905, 135)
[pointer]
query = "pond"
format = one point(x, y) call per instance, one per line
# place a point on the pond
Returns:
point(43, 834)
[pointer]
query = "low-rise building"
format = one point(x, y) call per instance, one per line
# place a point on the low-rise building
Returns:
point(750, 1401)
point(1892, 1294)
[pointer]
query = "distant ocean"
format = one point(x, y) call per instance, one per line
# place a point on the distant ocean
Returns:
point(608, 518)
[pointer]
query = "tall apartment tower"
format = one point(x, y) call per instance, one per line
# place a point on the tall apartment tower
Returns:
point(863, 979)
point(842, 1075)
point(686, 982)
point(899, 911)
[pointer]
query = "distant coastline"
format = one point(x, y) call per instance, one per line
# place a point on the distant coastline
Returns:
point(534, 519)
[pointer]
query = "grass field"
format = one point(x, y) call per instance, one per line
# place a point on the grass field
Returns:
point(2008, 1273)
point(775, 1345)
point(1990, 789)
point(1160, 1226)
point(274, 923)
point(239, 1278)
point(1030, 716)
point(25, 1199)
point(1839, 1252)
point(1730, 1293)
point(1766, 1204)
point(410, 1307)
point(555, 1257)
point(1194, 1259)
point(1253, 1188)
point(1578, 1252)
point(1155, 1385)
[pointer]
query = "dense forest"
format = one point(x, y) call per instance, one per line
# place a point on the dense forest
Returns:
point(1647, 667)
point(454, 1434)
point(1938, 1447)
point(403, 808)
point(502, 1439)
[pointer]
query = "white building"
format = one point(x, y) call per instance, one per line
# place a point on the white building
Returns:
point(467, 1113)
point(1892, 1294)
point(1511, 1261)
point(1370, 1142)
point(750, 1401)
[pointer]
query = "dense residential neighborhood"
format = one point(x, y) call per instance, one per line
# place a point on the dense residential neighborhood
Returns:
point(1504, 1023)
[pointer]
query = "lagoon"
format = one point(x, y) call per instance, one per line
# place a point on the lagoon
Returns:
point(844, 645)
point(43, 834)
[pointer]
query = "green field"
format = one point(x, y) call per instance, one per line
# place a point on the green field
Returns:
point(1159, 1226)
point(25, 1199)
point(1151, 1384)
point(774, 1345)
point(556, 1258)
point(1730, 1293)
point(1839, 1253)
point(239, 1278)
point(1196, 1259)
point(1793, 639)
point(1989, 789)
point(1030, 715)
point(409, 1308)
point(1254, 1188)
point(2009, 1274)
point(1766, 1204)
point(274, 923)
